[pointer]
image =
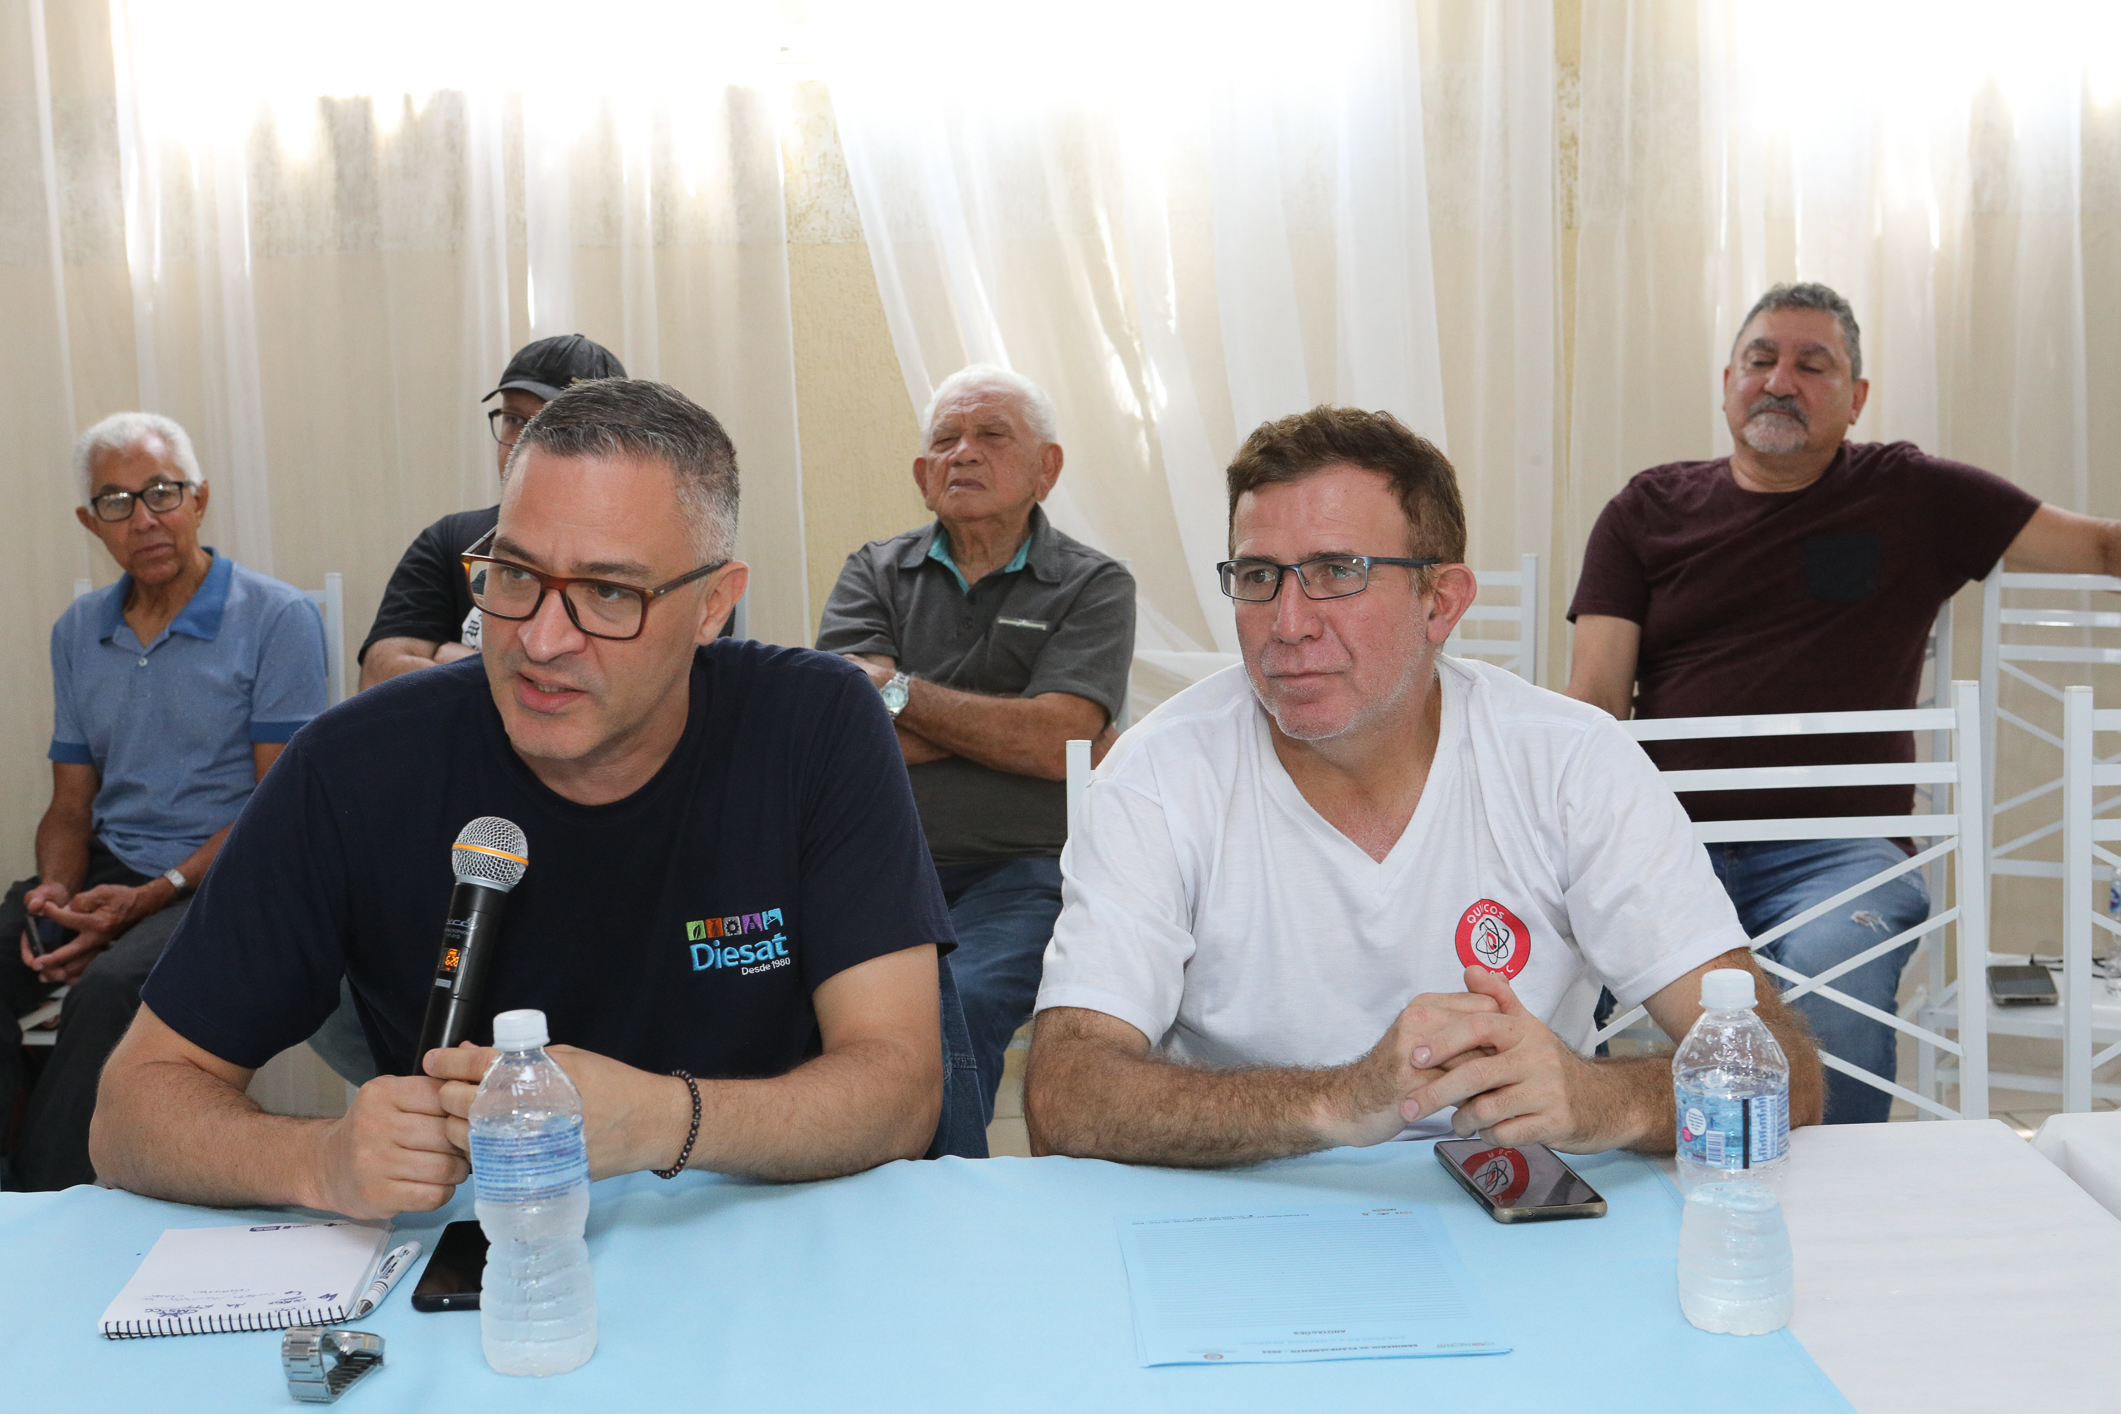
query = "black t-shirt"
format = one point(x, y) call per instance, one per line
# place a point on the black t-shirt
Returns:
point(1818, 600)
point(427, 597)
point(684, 927)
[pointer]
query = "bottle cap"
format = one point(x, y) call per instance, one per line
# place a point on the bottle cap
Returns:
point(1725, 989)
point(521, 1030)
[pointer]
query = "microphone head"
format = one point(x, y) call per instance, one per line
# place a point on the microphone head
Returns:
point(490, 851)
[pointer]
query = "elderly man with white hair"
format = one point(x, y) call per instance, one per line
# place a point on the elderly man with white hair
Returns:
point(994, 639)
point(172, 692)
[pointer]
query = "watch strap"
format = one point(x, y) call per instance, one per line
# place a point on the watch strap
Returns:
point(177, 881)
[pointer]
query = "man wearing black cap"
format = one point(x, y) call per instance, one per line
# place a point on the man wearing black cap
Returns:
point(427, 615)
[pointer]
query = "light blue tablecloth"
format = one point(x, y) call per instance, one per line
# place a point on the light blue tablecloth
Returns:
point(954, 1285)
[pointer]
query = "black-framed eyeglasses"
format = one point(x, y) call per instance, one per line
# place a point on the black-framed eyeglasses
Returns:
point(506, 426)
point(601, 608)
point(160, 497)
point(1326, 577)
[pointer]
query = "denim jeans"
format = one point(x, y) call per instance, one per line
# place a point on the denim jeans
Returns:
point(1775, 880)
point(1003, 914)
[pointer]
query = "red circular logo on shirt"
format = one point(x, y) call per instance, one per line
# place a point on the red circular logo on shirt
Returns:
point(1491, 936)
point(1502, 1174)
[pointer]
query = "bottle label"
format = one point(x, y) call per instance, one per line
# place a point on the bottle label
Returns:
point(542, 1167)
point(1723, 1132)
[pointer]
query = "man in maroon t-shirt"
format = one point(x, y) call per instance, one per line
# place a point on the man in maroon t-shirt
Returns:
point(1802, 573)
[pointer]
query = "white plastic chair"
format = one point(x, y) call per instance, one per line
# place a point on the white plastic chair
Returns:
point(2089, 1013)
point(1524, 650)
point(331, 603)
point(2002, 653)
point(1957, 835)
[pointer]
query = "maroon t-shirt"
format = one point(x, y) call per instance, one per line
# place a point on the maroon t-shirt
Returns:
point(1817, 600)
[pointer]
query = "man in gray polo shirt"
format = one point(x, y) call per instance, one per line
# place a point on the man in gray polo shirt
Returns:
point(172, 691)
point(995, 640)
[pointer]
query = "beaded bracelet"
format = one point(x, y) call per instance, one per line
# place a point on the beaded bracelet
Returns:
point(691, 1136)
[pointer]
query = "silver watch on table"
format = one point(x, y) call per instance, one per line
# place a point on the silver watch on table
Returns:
point(896, 692)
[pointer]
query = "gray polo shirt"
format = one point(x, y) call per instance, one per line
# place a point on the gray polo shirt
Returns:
point(169, 725)
point(1059, 617)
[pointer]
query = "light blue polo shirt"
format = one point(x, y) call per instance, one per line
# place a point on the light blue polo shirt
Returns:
point(169, 725)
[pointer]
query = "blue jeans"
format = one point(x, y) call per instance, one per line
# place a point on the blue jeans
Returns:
point(1003, 914)
point(1771, 881)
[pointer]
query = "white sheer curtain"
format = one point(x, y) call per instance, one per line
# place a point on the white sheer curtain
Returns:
point(336, 233)
point(1219, 221)
point(1953, 168)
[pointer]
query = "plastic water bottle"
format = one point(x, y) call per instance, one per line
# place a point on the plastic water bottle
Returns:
point(1731, 1114)
point(1734, 1259)
point(530, 1172)
point(1730, 1089)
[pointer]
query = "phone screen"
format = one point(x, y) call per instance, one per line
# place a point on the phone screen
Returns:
point(1517, 1182)
point(451, 1281)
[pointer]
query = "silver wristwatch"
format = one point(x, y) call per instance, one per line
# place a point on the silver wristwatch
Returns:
point(178, 882)
point(897, 692)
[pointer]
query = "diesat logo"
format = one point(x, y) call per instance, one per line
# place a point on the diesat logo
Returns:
point(715, 942)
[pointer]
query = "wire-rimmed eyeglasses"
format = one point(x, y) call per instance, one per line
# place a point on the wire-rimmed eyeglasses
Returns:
point(601, 608)
point(1326, 577)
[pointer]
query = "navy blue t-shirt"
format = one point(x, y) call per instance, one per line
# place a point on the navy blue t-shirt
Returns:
point(684, 927)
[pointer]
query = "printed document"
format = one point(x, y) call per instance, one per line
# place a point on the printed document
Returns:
point(1300, 1284)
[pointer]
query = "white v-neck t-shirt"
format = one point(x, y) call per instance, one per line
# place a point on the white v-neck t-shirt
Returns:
point(1206, 904)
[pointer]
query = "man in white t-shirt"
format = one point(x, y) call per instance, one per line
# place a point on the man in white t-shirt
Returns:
point(1357, 890)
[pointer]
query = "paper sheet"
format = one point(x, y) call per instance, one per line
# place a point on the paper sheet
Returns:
point(1300, 1284)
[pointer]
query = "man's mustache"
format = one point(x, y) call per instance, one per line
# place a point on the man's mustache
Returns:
point(1788, 407)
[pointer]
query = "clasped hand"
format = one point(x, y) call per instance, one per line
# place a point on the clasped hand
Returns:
point(405, 1143)
point(98, 917)
point(1509, 1077)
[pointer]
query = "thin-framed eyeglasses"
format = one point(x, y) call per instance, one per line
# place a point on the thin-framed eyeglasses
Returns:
point(506, 426)
point(601, 608)
point(1325, 577)
point(160, 497)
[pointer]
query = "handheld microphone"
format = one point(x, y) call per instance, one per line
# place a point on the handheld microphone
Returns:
point(489, 858)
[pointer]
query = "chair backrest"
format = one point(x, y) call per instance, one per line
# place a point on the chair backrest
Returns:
point(1957, 834)
point(2087, 833)
point(331, 603)
point(1523, 649)
point(1078, 779)
point(2008, 651)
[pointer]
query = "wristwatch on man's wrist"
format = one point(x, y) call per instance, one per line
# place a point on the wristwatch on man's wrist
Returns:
point(178, 882)
point(897, 692)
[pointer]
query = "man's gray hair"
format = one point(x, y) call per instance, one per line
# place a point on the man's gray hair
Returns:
point(123, 430)
point(1037, 408)
point(1809, 295)
point(633, 417)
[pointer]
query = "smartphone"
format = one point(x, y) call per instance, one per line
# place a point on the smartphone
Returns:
point(451, 1281)
point(45, 935)
point(1519, 1183)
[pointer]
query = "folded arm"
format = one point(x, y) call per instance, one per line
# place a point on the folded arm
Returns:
point(1025, 736)
point(873, 1095)
point(394, 657)
point(1094, 1089)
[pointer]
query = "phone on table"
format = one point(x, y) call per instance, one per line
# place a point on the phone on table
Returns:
point(45, 935)
point(451, 1281)
point(1519, 1183)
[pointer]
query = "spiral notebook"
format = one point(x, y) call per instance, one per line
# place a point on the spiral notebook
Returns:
point(258, 1277)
